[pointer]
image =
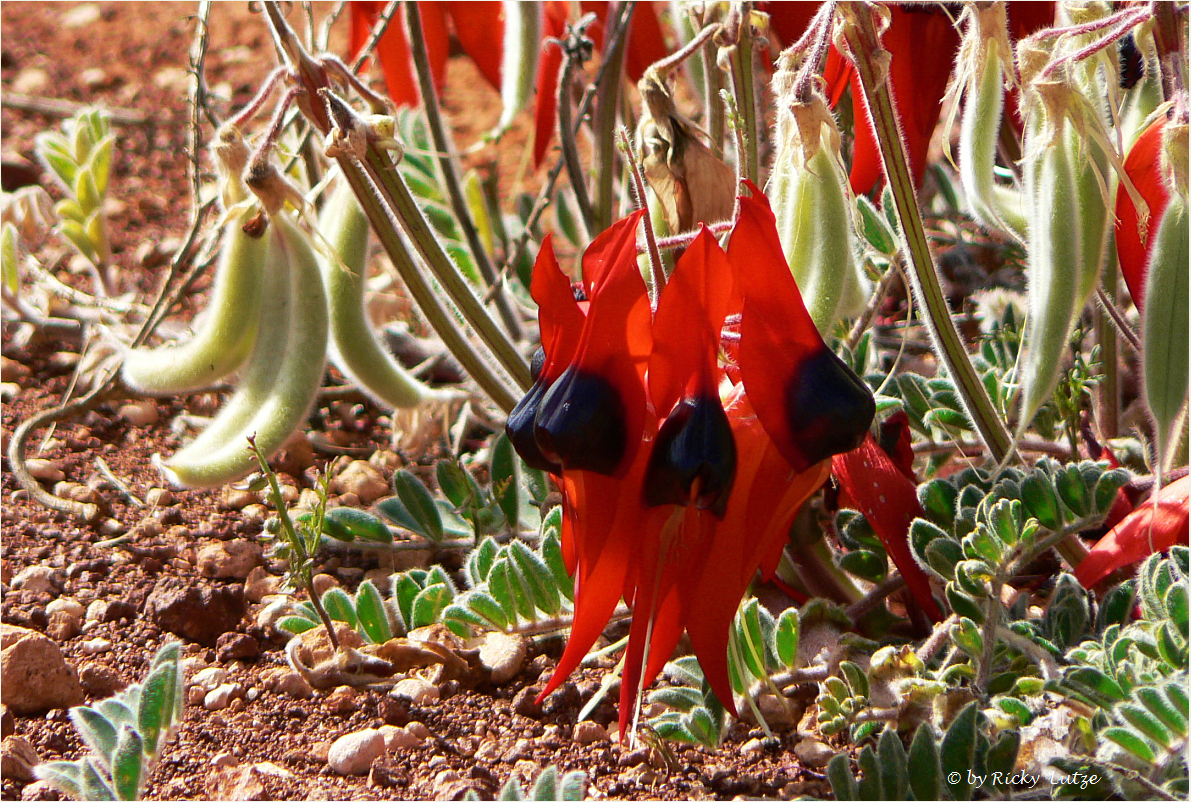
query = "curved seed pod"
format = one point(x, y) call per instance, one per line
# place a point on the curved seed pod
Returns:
point(984, 55)
point(282, 375)
point(522, 45)
point(353, 346)
point(814, 210)
point(1165, 324)
point(224, 336)
point(1054, 254)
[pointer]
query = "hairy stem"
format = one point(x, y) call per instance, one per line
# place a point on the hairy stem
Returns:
point(603, 122)
point(449, 162)
point(871, 62)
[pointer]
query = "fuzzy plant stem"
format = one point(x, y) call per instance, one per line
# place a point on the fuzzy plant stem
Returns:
point(744, 87)
point(603, 123)
point(316, 102)
point(992, 617)
point(449, 163)
point(871, 62)
point(361, 176)
point(1108, 394)
point(572, 58)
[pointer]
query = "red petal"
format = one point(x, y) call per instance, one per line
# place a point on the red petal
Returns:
point(477, 25)
point(789, 20)
point(889, 500)
point(1147, 530)
point(687, 323)
point(1143, 165)
point(392, 51)
point(647, 41)
point(809, 402)
point(560, 320)
point(923, 43)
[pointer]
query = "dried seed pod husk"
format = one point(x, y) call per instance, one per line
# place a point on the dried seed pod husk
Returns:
point(693, 184)
point(522, 47)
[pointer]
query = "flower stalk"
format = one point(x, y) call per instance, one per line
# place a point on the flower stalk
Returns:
point(872, 67)
point(449, 164)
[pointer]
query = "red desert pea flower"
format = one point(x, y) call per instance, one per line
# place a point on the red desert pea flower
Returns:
point(882, 485)
point(1156, 525)
point(922, 43)
point(1143, 166)
point(678, 482)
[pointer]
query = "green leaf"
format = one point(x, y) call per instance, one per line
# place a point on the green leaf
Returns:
point(552, 555)
point(339, 606)
point(457, 484)
point(405, 590)
point(938, 498)
point(371, 613)
point(701, 725)
point(546, 787)
point(870, 784)
point(1176, 606)
point(155, 709)
point(1130, 742)
point(1145, 722)
point(566, 219)
point(506, 485)
point(856, 678)
point(78, 237)
point(501, 588)
point(1002, 754)
point(61, 165)
point(128, 764)
point(295, 625)
point(350, 523)
point(9, 257)
point(843, 784)
point(535, 576)
point(429, 604)
point(967, 637)
point(101, 163)
point(962, 604)
point(1016, 708)
point(957, 752)
point(487, 608)
point(680, 698)
point(1160, 707)
point(1107, 486)
point(1073, 491)
point(925, 769)
point(511, 791)
point(87, 192)
point(895, 780)
point(1041, 500)
point(864, 564)
point(92, 784)
point(96, 731)
point(786, 636)
point(420, 504)
point(573, 787)
point(874, 228)
point(63, 774)
point(1094, 684)
point(479, 562)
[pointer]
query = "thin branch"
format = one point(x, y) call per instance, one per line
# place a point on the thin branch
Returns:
point(449, 162)
point(56, 107)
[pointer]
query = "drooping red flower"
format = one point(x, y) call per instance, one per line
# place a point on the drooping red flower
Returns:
point(883, 486)
point(1150, 528)
point(678, 483)
point(476, 25)
point(1143, 166)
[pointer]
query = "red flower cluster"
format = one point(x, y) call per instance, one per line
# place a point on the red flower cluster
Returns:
point(680, 475)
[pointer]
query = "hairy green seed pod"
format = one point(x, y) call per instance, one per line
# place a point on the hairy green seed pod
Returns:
point(992, 205)
point(1053, 264)
point(224, 336)
point(283, 373)
point(519, 64)
point(1165, 323)
point(813, 206)
point(353, 346)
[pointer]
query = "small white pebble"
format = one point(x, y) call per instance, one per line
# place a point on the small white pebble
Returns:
point(96, 646)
